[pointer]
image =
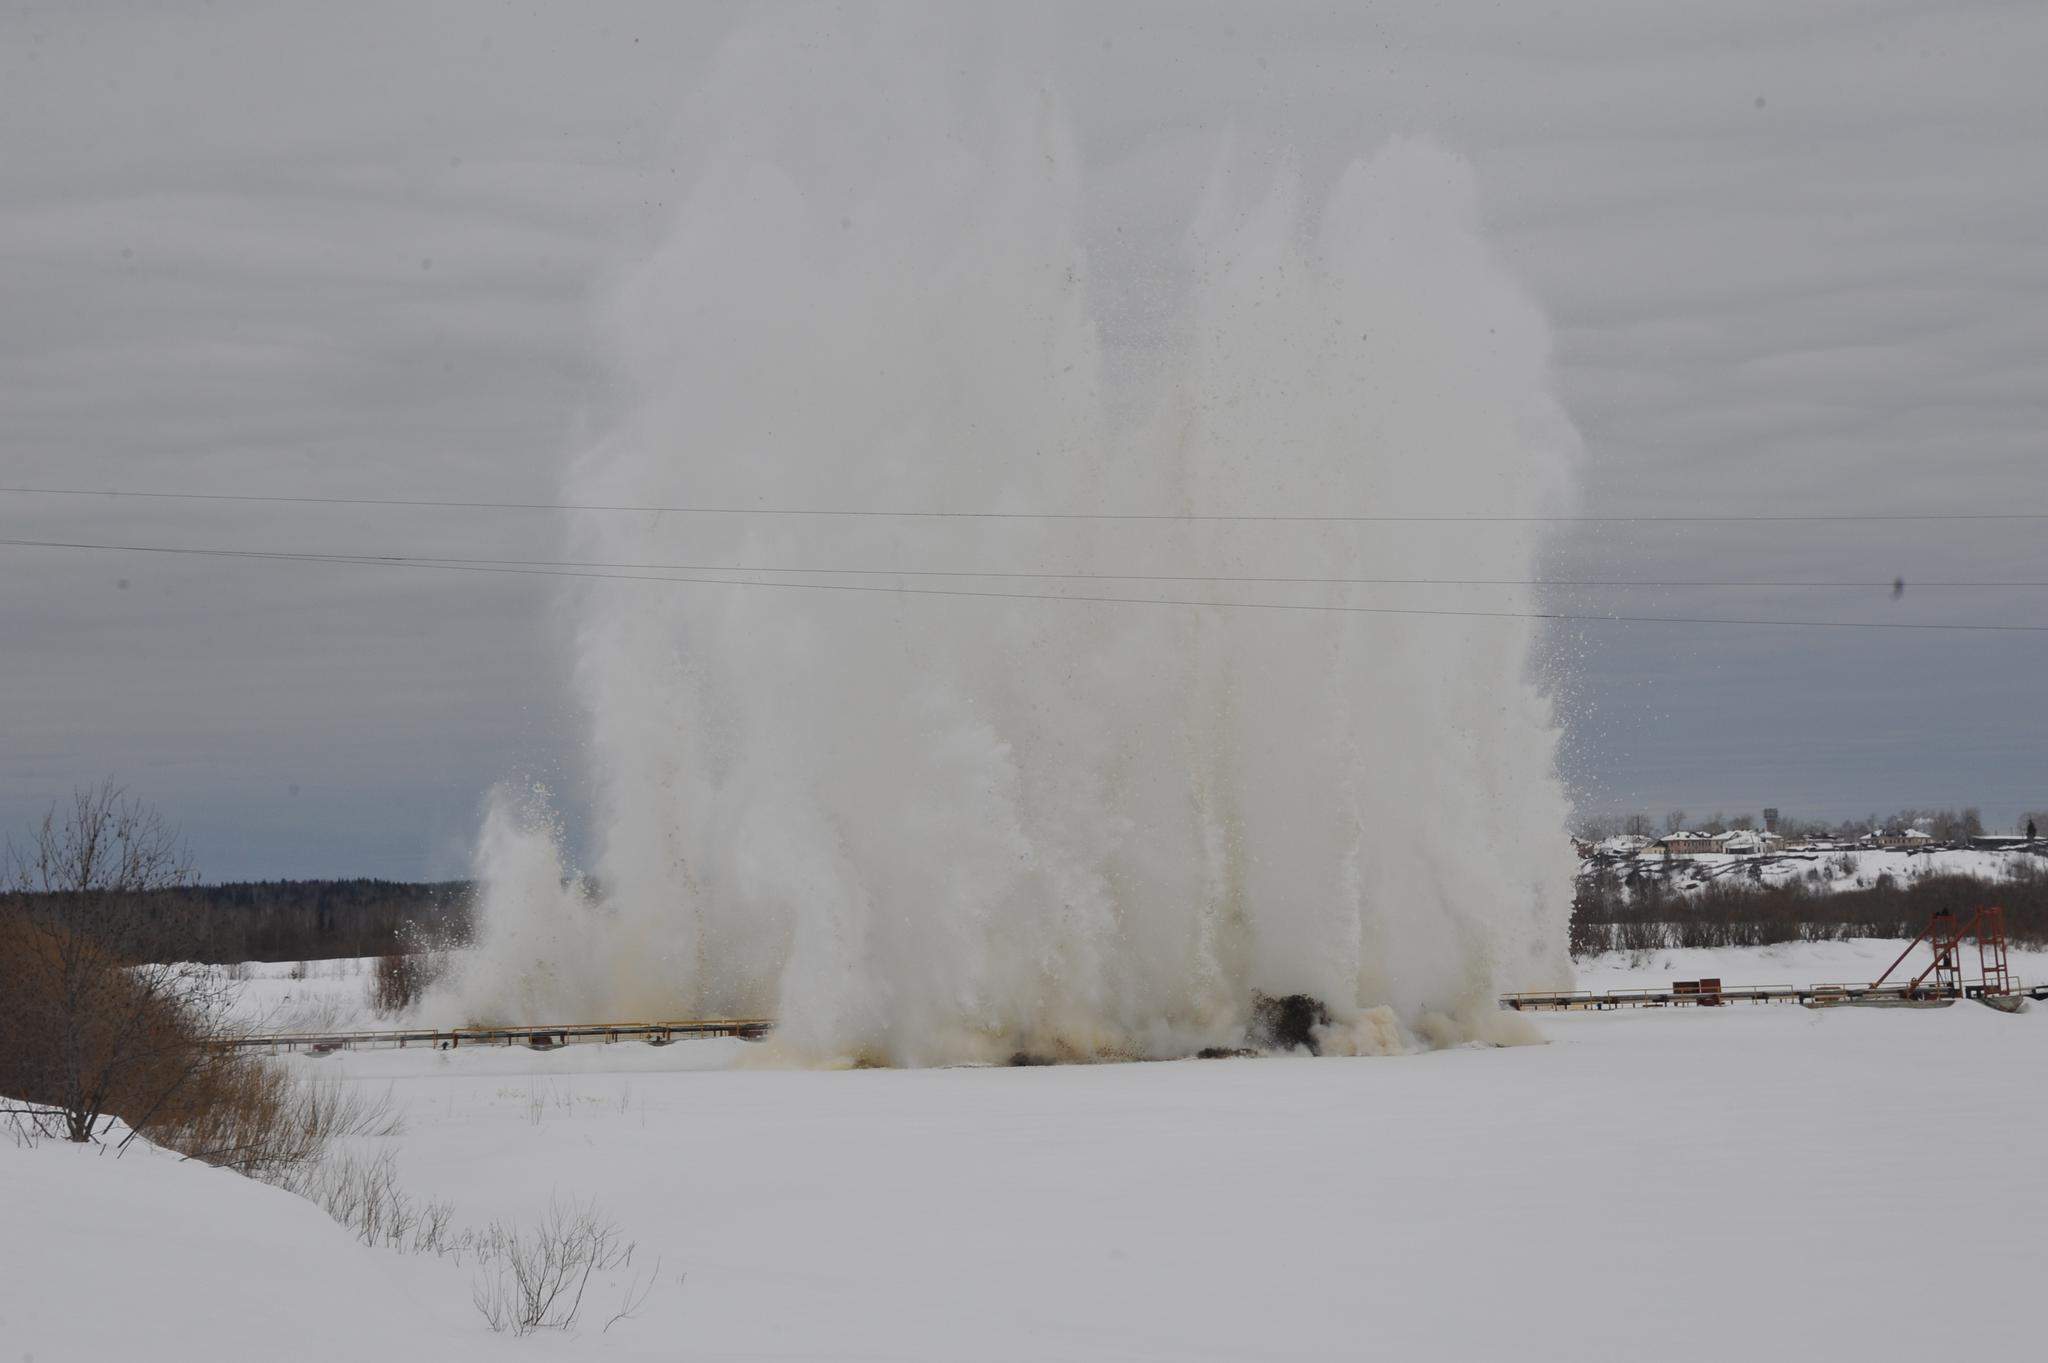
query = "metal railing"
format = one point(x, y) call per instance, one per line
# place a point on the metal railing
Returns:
point(541, 1036)
point(1670, 996)
point(553, 1036)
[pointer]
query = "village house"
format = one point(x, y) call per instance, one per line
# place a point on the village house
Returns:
point(1623, 845)
point(1751, 842)
point(1684, 844)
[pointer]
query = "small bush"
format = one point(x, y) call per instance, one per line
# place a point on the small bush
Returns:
point(87, 1033)
point(364, 1196)
point(534, 1279)
point(400, 980)
point(90, 1038)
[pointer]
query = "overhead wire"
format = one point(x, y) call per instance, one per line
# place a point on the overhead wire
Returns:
point(1363, 518)
point(966, 593)
point(1891, 584)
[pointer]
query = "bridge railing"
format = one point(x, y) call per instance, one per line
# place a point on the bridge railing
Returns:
point(543, 1036)
point(1674, 996)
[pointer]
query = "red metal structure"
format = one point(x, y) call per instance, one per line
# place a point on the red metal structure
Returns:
point(1945, 936)
point(1991, 951)
point(1947, 941)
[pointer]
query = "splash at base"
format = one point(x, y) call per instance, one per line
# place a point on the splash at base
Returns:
point(937, 828)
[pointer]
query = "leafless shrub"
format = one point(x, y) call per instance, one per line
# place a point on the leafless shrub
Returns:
point(27, 1125)
point(251, 1116)
point(243, 1113)
point(399, 980)
point(534, 1279)
point(363, 1195)
point(526, 1279)
point(635, 1297)
point(1641, 935)
point(431, 1234)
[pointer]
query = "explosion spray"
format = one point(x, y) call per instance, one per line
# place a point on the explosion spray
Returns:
point(923, 829)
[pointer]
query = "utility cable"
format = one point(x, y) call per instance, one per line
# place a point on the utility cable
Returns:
point(1894, 585)
point(373, 561)
point(1452, 518)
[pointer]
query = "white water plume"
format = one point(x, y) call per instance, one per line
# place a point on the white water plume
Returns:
point(924, 829)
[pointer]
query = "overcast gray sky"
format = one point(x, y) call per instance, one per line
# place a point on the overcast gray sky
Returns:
point(1796, 257)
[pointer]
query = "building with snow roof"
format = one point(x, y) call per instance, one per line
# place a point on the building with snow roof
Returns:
point(1750, 842)
point(1623, 845)
point(1684, 844)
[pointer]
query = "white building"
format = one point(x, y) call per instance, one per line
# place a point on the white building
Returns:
point(1623, 845)
point(1750, 842)
point(1683, 844)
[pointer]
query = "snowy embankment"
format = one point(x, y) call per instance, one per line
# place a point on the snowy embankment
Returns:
point(1848, 869)
point(1683, 1181)
point(147, 1256)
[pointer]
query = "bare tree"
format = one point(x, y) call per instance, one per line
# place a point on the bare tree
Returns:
point(99, 1016)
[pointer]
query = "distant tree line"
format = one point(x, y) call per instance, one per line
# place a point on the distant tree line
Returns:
point(1945, 825)
point(294, 920)
point(1647, 915)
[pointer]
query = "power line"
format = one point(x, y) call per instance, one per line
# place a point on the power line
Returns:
point(1247, 517)
point(1014, 575)
point(450, 566)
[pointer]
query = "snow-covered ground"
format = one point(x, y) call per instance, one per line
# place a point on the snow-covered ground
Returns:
point(1858, 960)
point(1688, 1183)
point(1854, 869)
point(304, 996)
point(146, 1256)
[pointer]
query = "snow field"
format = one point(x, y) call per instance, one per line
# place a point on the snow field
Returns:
point(333, 995)
point(147, 1256)
point(1683, 1182)
point(1856, 960)
point(1679, 1177)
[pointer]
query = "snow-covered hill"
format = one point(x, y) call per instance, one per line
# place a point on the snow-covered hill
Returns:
point(1843, 869)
